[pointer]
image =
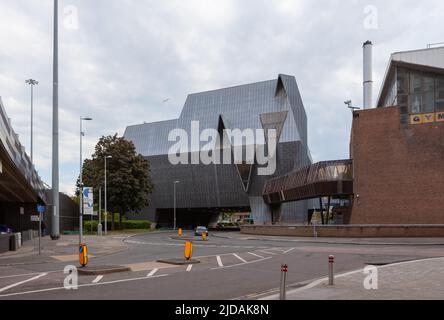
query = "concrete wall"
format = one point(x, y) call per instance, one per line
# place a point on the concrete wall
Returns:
point(356, 231)
point(399, 172)
point(69, 213)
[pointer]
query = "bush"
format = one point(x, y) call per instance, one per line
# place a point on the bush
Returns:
point(135, 224)
point(126, 225)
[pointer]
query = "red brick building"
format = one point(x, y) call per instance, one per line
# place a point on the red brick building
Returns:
point(398, 148)
point(398, 170)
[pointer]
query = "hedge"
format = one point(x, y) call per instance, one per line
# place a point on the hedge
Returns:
point(126, 225)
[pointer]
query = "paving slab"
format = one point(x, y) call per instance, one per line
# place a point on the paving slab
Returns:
point(412, 280)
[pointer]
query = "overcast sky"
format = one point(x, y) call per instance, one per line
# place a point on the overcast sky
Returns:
point(120, 59)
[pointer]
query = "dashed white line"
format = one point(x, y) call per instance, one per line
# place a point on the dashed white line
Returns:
point(190, 266)
point(22, 282)
point(152, 273)
point(256, 255)
point(288, 251)
point(96, 280)
point(243, 260)
point(219, 261)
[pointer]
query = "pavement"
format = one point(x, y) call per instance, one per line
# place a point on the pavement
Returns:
point(413, 280)
point(64, 250)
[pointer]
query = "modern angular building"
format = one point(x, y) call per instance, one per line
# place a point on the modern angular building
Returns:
point(201, 192)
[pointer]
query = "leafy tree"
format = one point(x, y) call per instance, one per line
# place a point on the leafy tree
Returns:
point(128, 176)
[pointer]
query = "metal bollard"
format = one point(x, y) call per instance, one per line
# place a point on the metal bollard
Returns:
point(331, 276)
point(283, 290)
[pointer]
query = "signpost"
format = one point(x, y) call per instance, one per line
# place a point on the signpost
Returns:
point(41, 210)
point(88, 201)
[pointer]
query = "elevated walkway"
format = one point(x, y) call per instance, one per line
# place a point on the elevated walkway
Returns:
point(322, 179)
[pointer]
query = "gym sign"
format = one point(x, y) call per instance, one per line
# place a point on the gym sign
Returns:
point(427, 118)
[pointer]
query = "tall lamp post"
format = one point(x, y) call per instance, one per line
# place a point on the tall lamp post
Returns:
point(32, 83)
point(55, 218)
point(81, 180)
point(106, 200)
point(175, 182)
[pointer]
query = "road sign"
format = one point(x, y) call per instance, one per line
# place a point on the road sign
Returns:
point(41, 209)
point(35, 218)
point(88, 201)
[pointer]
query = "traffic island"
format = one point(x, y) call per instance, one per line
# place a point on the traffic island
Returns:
point(179, 261)
point(101, 270)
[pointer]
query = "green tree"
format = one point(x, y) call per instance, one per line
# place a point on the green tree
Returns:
point(128, 176)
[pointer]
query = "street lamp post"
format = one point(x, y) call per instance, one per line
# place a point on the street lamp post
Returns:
point(55, 217)
point(99, 226)
point(32, 83)
point(106, 208)
point(81, 180)
point(175, 182)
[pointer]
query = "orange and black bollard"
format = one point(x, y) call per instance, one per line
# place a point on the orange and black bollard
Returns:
point(188, 250)
point(83, 255)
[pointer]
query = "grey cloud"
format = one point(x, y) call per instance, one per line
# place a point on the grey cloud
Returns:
point(128, 56)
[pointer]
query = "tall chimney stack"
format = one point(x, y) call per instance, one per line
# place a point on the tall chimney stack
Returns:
point(368, 75)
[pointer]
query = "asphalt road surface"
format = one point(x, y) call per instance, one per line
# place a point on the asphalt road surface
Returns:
point(233, 266)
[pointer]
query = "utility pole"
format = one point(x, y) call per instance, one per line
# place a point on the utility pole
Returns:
point(55, 231)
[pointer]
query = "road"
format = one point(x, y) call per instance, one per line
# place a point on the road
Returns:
point(233, 266)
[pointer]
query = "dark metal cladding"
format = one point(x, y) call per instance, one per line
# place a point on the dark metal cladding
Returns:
point(274, 104)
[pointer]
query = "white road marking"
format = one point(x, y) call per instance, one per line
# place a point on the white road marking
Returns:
point(267, 252)
point(219, 261)
point(256, 255)
point(96, 280)
point(29, 274)
point(81, 286)
point(190, 266)
point(22, 282)
point(241, 264)
point(243, 260)
point(152, 273)
point(288, 251)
